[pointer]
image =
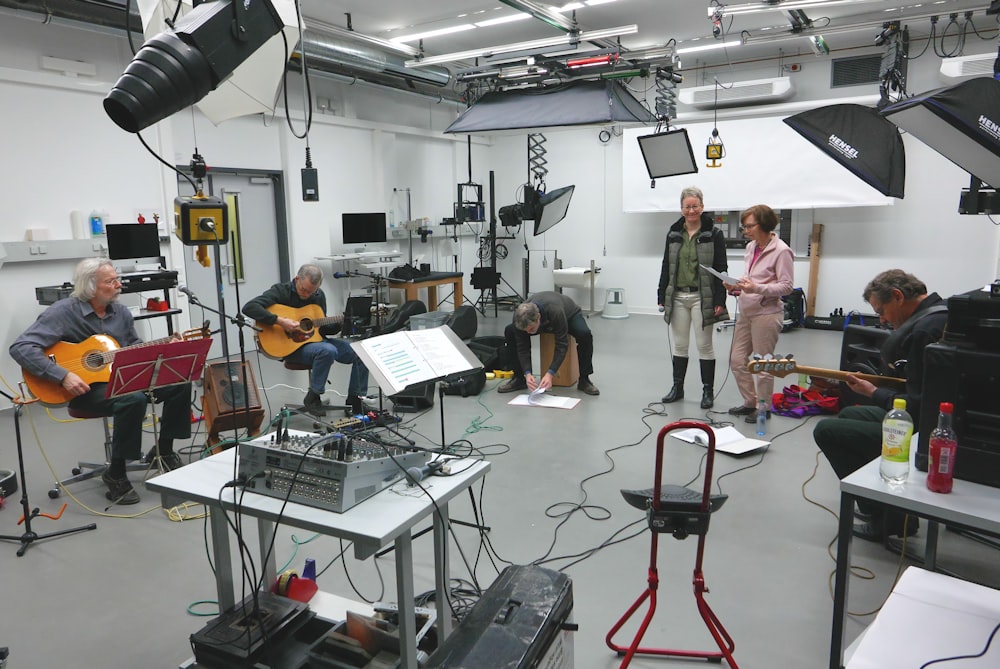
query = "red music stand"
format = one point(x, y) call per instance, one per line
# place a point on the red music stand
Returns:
point(146, 368)
point(682, 512)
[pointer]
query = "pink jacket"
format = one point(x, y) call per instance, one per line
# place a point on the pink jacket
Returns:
point(772, 275)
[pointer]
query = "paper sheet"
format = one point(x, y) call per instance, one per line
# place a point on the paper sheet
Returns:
point(544, 400)
point(722, 276)
point(727, 440)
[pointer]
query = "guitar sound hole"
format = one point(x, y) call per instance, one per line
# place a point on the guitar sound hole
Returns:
point(93, 360)
point(306, 324)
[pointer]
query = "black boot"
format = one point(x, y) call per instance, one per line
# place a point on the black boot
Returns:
point(313, 404)
point(677, 392)
point(707, 383)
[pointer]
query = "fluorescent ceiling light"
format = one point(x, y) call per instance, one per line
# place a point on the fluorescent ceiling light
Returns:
point(354, 35)
point(570, 7)
point(708, 47)
point(503, 19)
point(597, 2)
point(434, 33)
point(568, 38)
point(757, 7)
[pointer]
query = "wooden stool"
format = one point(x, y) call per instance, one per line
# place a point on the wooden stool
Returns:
point(569, 371)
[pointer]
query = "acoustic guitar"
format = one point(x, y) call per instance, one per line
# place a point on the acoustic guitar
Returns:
point(91, 361)
point(275, 343)
point(784, 366)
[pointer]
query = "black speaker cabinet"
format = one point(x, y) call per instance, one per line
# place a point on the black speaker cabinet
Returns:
point(860, 351)
point(414, 399)
point(225, 403)
point(970, 379)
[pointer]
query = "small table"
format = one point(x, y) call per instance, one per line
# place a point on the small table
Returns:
point(968, 504)
point(412, 288)
point(383, 518)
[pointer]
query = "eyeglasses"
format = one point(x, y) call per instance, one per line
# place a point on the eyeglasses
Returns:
point(692, 207)
point(749, 227)
point(112, 281)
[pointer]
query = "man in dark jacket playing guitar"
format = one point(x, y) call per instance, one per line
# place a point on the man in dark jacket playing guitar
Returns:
point(93, 310)
point(293, 319)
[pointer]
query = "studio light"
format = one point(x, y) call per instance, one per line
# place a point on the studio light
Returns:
point(179, 67)
point(545, 209)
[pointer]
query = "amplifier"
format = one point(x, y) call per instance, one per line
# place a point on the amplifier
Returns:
point(333, 472)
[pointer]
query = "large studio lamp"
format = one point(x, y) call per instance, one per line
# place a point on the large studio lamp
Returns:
point(861, 140)
point(962, 123)
point(545, 209)
point(179, 67)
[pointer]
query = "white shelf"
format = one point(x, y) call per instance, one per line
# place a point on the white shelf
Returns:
point(52, 249)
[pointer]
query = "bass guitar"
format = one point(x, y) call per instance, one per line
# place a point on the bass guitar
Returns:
point(782, 367)
point(274, 342)
point(91, 361)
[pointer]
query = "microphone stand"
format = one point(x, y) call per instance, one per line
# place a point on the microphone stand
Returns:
point(30, 536)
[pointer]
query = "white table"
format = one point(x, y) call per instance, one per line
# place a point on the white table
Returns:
point(968, 504)
point(386, 517)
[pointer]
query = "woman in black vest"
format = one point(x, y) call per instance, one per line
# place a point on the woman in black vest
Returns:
point(689, 296)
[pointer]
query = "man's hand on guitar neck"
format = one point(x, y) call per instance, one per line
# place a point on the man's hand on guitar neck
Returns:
point(74, 385)
point(860, 386)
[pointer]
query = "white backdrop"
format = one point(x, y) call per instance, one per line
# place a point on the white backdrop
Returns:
point(766, 163)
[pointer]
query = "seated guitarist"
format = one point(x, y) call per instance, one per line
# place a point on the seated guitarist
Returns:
point(300, 292)
point(91, 309)
point(854, 437)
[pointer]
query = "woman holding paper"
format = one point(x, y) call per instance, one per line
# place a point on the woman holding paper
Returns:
point(769, 276)
point(688, 295)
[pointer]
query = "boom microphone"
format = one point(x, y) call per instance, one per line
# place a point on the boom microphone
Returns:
point(416, 474)
point(187, 291)
point(341, 275)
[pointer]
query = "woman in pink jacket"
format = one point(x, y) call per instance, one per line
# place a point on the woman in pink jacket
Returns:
point(769, 276)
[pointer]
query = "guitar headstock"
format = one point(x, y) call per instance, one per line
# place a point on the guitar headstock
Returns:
point(779, 367)
point(204, 332)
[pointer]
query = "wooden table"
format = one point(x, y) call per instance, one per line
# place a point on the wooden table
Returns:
point(412, 288)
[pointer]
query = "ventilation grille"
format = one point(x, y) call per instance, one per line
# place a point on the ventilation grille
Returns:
point(855, 71)
point(738, 93)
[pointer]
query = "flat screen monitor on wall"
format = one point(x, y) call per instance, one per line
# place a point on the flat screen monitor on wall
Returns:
point(667, 154)
point(363, 228)
point(133, 240)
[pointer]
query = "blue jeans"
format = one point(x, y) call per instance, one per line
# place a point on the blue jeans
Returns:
point(321, 355)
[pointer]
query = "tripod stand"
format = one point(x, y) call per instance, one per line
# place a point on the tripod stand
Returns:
point(29, 537)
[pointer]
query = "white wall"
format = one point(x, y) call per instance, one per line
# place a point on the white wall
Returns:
point(62, 153)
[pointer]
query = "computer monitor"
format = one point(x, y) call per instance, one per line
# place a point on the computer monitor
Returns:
point(363, 228)
point(133, 240)
point(667, 154)
point(551, 208)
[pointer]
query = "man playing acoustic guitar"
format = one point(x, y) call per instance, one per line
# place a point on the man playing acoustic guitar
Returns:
point(292, 316)
point(93, 309)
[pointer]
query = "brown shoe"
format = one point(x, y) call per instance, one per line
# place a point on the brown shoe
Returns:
point(512, 385)
point(585, 386)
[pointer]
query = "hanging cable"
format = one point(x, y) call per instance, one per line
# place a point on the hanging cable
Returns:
point(715, 151)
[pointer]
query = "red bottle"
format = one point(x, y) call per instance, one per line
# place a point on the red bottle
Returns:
point(941, 453)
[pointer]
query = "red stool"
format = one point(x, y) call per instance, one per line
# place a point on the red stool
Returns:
point(682, 512)
point(88, 470)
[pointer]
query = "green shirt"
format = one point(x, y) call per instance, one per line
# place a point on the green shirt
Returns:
point(687, 262)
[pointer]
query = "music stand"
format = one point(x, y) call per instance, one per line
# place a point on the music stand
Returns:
point(146, 368)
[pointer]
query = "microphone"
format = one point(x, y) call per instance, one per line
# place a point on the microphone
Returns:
point(187, 291)
point(417, 474)
point(341, 275)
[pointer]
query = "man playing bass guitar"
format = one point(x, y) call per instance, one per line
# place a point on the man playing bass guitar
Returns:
point(92, 309)
point(295, 342)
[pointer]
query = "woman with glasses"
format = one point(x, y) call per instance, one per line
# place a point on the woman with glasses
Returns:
point(769, 276)
point(689, 296)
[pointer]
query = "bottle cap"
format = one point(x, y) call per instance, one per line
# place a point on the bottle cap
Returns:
point(899, 403)
point(947, 407)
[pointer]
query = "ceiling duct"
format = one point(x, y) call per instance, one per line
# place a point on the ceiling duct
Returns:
point(326, 52)
point(966, 67)
point(757, 91)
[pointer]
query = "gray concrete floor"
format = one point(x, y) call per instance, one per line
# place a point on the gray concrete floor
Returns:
point(126, 595)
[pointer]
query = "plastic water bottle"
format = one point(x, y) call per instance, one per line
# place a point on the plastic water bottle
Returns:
point(897, 428)
point(761, 418)
point(941, 452)
point(96, 224)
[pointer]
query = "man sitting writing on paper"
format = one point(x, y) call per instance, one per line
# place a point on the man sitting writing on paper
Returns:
point(93, 309)
point(558, 315)
point(316, 350)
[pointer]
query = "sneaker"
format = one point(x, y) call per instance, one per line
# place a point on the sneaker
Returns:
point(313, 404)
point(512, 385)
point(585, 386)
point(752, 417)
point(169, 461)
point(119, 490)
point(742, 410)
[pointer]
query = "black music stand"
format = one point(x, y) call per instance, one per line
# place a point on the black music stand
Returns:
point(29, 536)
point(146, 368)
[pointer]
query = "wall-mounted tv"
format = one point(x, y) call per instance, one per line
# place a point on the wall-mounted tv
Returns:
point(133, 240)
point(551, 208)
point(667, 154)
point(363, 228)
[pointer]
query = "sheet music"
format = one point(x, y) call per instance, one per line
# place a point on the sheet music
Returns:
point(722, 276)
point(545, 401)
point(402, 359)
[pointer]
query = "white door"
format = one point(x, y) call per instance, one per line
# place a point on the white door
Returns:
point(247, 265)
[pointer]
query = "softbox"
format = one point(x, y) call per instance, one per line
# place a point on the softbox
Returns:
point(861, 140)
point(961, 122)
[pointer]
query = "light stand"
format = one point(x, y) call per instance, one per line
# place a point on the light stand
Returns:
point(29, 537)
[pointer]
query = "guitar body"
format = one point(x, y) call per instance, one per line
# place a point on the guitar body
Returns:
point(276, 343)
point(86, 360)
